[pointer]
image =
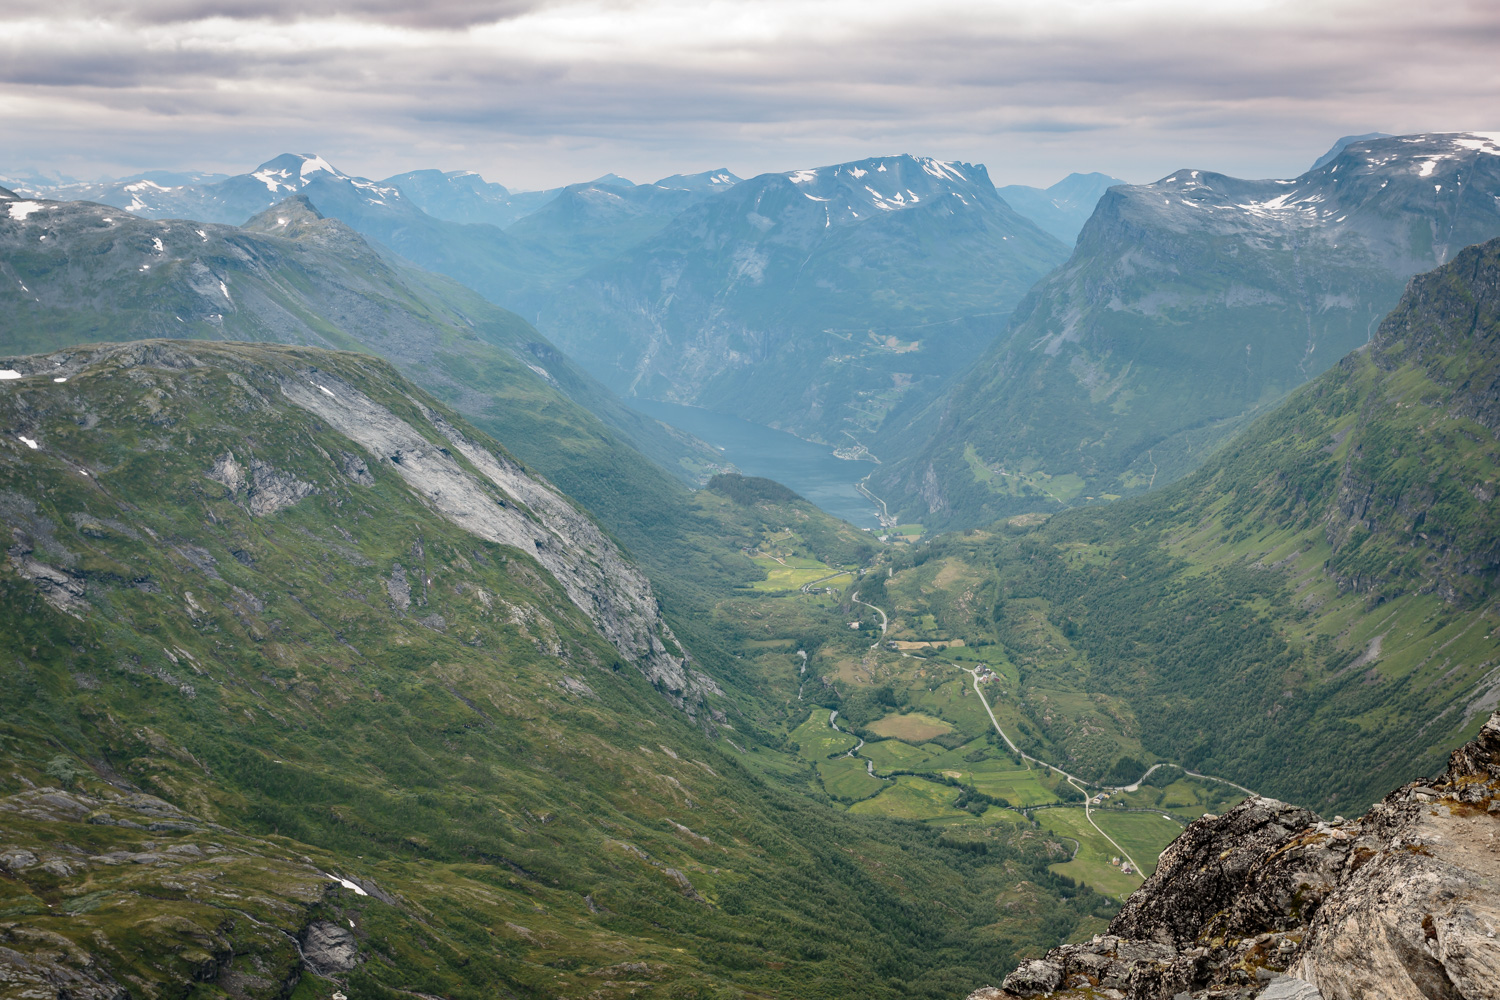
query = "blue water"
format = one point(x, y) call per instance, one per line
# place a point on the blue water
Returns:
point(809, 469)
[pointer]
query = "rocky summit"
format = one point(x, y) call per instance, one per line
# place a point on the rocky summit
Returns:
point(1270, 901)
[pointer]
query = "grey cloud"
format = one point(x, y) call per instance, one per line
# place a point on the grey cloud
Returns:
point(1149, 96)
point(441, 14)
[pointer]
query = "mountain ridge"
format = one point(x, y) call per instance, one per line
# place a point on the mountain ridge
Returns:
point(315, 281)
point(1188, 306)
point(1063, 208)
point(772, 300)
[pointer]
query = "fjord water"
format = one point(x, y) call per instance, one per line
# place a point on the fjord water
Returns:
point(809, 469)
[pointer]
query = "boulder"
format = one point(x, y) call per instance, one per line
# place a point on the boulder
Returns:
point(1034, 977)
point(329, 949)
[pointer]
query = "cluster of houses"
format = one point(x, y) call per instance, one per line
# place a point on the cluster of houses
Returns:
point(1121, 864)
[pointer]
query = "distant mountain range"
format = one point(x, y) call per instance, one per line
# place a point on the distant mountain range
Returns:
point(449, 223)
point(1188, 306)
point(862, 290)
point(464, 196)
point(814, 300)
point(1063, 208)
point(76, 273)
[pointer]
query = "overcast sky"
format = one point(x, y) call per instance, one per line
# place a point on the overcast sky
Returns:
point(533, 93)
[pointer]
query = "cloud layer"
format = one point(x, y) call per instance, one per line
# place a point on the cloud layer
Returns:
point(534, 92)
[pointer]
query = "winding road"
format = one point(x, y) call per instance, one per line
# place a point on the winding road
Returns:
point(884, 518)
point(1088, 812)
point(807, 587)
point(885, 622)
point(1074, 780)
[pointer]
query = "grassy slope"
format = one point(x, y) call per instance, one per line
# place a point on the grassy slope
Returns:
point(314, 281)
point(1322, 592)
point(482, 754)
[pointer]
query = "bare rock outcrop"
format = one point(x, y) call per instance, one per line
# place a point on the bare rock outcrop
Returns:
point(457, 474)
point(528, 514)
point(329, 949)
point(1268, 901)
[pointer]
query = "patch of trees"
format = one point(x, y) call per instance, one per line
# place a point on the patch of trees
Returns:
point(749, 490)
point(1125, 770)
point(863, 706)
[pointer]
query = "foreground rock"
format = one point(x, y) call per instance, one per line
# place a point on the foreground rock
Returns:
point(1269, 901)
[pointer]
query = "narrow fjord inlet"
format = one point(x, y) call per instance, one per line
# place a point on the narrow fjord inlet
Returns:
point(1010, 512)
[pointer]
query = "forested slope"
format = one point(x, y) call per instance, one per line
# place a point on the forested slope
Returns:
point(1321, 593)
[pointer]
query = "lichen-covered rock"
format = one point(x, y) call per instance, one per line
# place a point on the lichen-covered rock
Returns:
point(35, 965)
point(988, 993)
point(1204, 869)
point(1290, 988)
point(1037, 976)
point(329, 949)
point(1418, 913)
point(1268, 901)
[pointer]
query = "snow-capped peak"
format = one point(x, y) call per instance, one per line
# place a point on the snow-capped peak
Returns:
point(940, 168)
point(864, 188)
point(291, 172)
point(312, 164)
point(274, 180)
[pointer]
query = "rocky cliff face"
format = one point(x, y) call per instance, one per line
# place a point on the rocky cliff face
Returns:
point(455, 473)
point(1438, 358)
point(1270, 901)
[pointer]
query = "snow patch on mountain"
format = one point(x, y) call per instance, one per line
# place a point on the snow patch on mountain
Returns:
point(1480, 142)
point(274, 180)
point(313, 164)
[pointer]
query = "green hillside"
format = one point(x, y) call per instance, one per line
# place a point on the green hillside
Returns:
point(81, 273)
point(277, 618)
point(1189, 307)
point(1323, 591)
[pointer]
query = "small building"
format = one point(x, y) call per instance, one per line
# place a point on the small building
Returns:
point(854, 624)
